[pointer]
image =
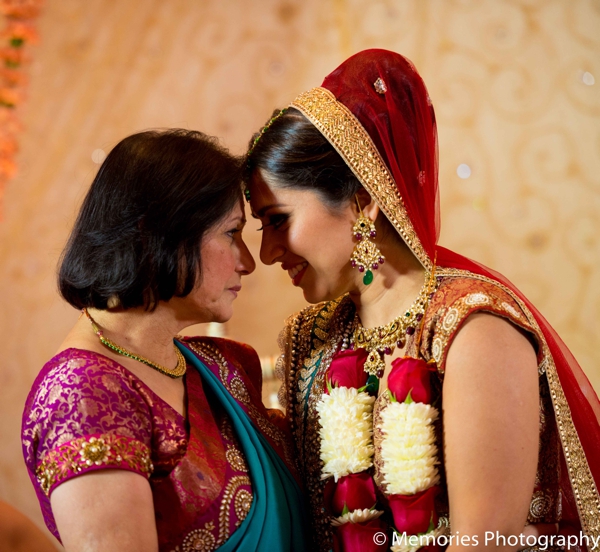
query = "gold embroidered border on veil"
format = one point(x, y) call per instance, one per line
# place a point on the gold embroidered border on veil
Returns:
point(345, 133)
point(350, 139)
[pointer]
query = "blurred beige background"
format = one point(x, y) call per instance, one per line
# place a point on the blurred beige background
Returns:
point(516, 86)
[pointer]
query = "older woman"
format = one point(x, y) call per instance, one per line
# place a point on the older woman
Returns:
point(432, 404)
point(136, 441)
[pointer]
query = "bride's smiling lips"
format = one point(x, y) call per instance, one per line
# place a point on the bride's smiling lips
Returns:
point(296, 271)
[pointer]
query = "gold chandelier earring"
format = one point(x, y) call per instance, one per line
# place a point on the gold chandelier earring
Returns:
point(366, 256)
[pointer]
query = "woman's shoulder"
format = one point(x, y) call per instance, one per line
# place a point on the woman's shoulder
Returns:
point(80, 392)
point(85, 412)
point(78, 369)
point(458, 296)
point(470, 290)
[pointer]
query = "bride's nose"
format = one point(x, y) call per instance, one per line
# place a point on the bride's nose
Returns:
point(271, 249)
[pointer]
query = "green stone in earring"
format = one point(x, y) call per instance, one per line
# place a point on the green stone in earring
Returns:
point(368, 278)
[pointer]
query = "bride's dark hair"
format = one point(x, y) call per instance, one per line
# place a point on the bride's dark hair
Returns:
point(294, 154)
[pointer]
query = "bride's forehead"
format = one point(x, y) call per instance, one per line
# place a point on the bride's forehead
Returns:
point(267, 193)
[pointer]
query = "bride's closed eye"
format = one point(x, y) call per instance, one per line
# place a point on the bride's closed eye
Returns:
point(275, 221)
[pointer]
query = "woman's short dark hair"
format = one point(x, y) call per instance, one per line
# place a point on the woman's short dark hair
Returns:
point(137, 236)
point(297, 155)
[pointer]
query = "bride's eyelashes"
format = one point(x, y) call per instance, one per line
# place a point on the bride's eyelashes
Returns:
point(275, 221)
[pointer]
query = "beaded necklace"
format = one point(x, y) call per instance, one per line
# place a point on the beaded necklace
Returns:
point(176, 372)
point(382, 340)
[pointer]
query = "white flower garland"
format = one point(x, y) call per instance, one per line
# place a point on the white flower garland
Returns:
point(356, 516)
point(346, 417)
point(408, 448)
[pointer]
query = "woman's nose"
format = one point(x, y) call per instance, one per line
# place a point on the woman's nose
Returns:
point(247, 263)
point(270, 249)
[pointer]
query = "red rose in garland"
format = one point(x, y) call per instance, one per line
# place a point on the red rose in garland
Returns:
point(410, 375)
point(346, 369)
point(355, 492)
point(361, 537)
point(414, 513)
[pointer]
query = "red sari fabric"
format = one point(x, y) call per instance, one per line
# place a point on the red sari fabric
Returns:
point(400, 122)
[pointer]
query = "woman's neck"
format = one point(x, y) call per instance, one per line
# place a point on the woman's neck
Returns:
point(395, 287)
point(146, 333)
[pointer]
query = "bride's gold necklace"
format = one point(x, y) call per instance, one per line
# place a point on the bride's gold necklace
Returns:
point(176, 372)
point(383, 340)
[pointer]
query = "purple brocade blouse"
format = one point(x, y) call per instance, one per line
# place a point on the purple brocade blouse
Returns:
point(86, 412)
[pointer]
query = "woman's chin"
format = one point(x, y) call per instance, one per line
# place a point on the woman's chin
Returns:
point(317, 296)
point(222, 318)
point(217, 316)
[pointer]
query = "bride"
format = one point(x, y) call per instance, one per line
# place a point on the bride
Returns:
point(432, 404)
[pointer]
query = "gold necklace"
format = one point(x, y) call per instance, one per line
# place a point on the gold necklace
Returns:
point(382, 340)
point(176, 372)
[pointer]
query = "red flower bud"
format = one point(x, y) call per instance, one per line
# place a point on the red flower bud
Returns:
point(413, 513)
point(410, 375)
point(356, 491)
point(370, 536)
point(346, 369)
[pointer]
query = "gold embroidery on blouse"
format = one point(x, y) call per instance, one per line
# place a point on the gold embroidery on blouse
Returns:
point(238, 390)
point(224, 510)
point(455, 314)
point(474, 299)
point(109, 450)
point(437, 349)
point(301, 408)
point(450, 319)
point(242, 504)
point(379, 406)
point(545, 506)
point(236, 459)
point(541, 504)
point(321, 321)
point(200, 540)
point(583, 485)
point(510, 309)
point(345, 133)
point(95, 451)
point(226, 429)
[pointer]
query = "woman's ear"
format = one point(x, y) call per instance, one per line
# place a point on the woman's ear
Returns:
point(368, 206)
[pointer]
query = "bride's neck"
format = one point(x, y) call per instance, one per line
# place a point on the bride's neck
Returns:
point(395, 287)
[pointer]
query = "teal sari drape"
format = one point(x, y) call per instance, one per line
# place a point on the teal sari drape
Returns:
point(277, 521)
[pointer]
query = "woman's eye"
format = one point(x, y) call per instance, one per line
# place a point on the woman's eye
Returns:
point(233, 232)
point(275, 221)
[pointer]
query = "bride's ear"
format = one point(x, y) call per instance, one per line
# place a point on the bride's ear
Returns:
point(368, 206)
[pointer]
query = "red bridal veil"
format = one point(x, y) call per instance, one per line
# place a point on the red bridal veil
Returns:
point(375, 110)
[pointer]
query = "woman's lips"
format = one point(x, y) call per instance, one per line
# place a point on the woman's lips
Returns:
point(235, 290)
point(297, 272)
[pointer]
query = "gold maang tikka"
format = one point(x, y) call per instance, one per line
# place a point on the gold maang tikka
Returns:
point(366, 256)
